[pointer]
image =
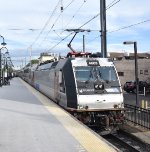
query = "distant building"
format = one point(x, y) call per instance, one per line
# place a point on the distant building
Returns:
point(125, 65)
point(47, 57)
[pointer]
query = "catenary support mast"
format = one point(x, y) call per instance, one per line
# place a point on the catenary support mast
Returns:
point(103, 28)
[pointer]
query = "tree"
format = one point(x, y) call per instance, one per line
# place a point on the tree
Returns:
point(34, 61)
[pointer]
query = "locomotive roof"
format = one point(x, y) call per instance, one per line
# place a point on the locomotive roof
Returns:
point(83, 61)
point(75, 62)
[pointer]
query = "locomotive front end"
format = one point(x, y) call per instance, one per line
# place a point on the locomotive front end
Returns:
point(99, 93)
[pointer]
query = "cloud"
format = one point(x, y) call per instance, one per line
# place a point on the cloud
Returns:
point(34, 14)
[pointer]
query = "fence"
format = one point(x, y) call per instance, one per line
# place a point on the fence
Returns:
point(138, 116)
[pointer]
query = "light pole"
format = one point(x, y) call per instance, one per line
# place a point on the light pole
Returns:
point(4, 72)
point(3, 66)
point(136, 68)
point(3, 44)
point(8, 65)
point(136, 72)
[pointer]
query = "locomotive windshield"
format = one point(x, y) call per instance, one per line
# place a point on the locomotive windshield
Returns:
point(107, 73)
point(96, 80)
point(83, 73)
point(93, 73)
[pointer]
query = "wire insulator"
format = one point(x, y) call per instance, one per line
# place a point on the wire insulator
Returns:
point(61, 8)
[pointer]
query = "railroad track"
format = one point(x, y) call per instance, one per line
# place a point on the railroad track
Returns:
point(127, 143)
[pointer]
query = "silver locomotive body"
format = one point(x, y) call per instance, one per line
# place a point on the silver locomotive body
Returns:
point(88, 88)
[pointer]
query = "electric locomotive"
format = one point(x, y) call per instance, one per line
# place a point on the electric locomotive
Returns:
point(89, 88)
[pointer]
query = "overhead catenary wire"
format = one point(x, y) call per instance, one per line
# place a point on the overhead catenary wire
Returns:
point(62, 39)
point(50, 29)
point(62, 10)
point(132, 25)
point(58, 18)
point(121, 28)
point(79, 27)
point(109, 6)
point(112, 4)
point(60, 42)
point(45, 25)
point(71, 18)
point(76, 12)
point(99, 13)
point(69, 4)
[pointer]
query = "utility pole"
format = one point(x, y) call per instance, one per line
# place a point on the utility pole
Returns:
point(103, 28)
point(83, 43)
point(24, 61)
point(136, 69)
point(3, 44)
point(30, 50)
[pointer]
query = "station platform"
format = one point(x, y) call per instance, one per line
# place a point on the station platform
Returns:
point(30, 122)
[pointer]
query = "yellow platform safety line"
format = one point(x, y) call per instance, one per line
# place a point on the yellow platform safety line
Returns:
point(88, 139)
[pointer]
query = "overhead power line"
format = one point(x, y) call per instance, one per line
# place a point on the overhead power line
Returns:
point(122, 28)
point(45, 25)
point(109, 6)
point(50, 29)
point(76, 12)
point(62, 10)
point(132, 25)
point(69, 4)
point(112, 4)
point(60, 42)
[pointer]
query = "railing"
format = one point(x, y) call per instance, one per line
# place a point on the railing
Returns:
point(138, 116)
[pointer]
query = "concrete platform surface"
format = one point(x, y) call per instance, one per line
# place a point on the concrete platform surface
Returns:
point(30, 122)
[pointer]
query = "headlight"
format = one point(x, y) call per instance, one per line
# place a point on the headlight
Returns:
point(96, 86)
point(83, 107)
point(116, 106)
point(99, 86)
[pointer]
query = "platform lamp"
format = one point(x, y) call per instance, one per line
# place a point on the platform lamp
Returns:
point(136, 68)
point(3, 66)
point(136, 73)
point(8, 67)
point(3, 44)
point(3, 63)
point(6, 62)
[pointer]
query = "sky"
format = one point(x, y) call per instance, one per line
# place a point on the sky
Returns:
point(31, 27)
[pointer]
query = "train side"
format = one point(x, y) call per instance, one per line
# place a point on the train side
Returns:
point(57, 82)
point(89, 88)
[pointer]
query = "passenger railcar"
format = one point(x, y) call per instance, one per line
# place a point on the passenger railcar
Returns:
point(89, 88)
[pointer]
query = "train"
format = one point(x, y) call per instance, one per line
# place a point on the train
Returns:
point(86, 86)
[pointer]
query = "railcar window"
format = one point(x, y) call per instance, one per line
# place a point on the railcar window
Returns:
point(44, 66)
point(26, 70)
point(83, 73)
point(62, 85)
point(54, 64)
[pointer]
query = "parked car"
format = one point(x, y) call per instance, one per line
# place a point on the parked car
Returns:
point(130, 86)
